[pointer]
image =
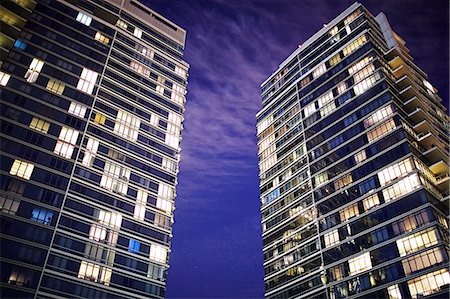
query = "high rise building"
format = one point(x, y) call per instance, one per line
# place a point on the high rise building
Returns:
point(354, 176)
point(92, 104)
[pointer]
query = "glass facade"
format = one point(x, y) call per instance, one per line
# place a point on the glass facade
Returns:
point(354, 177)
point(92, 105)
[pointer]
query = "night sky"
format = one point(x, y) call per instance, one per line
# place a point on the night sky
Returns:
point(233, 46)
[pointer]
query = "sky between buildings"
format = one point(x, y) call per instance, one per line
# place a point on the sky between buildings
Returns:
point(233, 46)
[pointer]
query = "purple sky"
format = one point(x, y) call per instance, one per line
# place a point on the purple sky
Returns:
point(232, 46)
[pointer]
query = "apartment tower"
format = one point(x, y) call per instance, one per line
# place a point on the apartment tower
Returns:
point(92, 102)
point(354, 168)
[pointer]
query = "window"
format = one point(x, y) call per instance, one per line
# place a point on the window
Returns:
point(127, 125)
point(55, 86)
point(104, 229)
point(21, 169)
point(66, 143)
point(378, 116)
point(331, 238)
point(96, 273)
point(360, 156)
point(20, 44)
point(319, 70)
point(402, 187)
point(178, 93)
point(343, 181)
point(394, 292)
point(33, 70)
point(87, 81)
point(160, 89)
point(180, 71)
point(370, 202)
point(309, 109)
point(417, 241)
point(321, 179)
point(101, 38)
point(429, 283)
point(351, 17)
point(42, 215)
point(327, 109)
point(169, 164)
point(324, 99)
point(9, 203)
point(423, 260)
point(366, 84)
point(145, 51)
point(172, 140)
point(305, 81)
point(164, 205)
point(99, 118)
point(359, 65)
point(84, 19)
point(381, 130)
point(134, 246)
point(395, 171)
point(341, 87)
point(364, 73)
point(158, 253)
point(140, 68)
point(115, 177)
point(141, 202)
point(90, 152)
point(77, 109)
point(349, 212)
point(4, 78)
point(354, 45)
point(137, 32)
point(265, 123)
point(337, 272)
point(335, 59)
point(20, 277)
point(121, 24)
point(360, 263)
point(39, 125)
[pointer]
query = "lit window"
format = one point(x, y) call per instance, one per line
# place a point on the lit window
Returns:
point(264, 124)
point(327, 109)
point(366, 84)
point(33, 70)
point(309, 109)
point(77, 109)
point(160, 89)
point(90, 152)
point(137, 32)
point(364, 73)
point(180, 71)
point(305, 81)
point(101, 38)
point(39, 125)
point(66, 143)
point(19, 44)
point(140, 68)
point(145, 51)
point(370, 202)
point(335, 59)
point(401, 188)
point(162, 221)
point(360, 156)
point(423, 260)
point(115, 177)
point(99, 118)
point(319, 70)
point(343, 181)
point(381, 130)
point(22, 169)
point(87, 81)
point(378, 116)
point(55, 86)
point(169, 164)
point(429, 283)
point(321, 178)
point(417, 241)
point(360, 263)
point(134, 246)
point(395, 171)
point(4, 78)
point(354, 45)
point(349, 212)
point(394, 292)
point(127, 125)
point(164, 205)
point(121, 24)
point(359, 65)
point(333, 31)
point(331, 238)
point(158, 253)
point(341, 87)
point(9, 202)
point(84, 19)
point(141, 202)
point(351, 17)
point(337, 272)
point(324, 99)
point(96, 273)
point(20, 277)
point(42, 215)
